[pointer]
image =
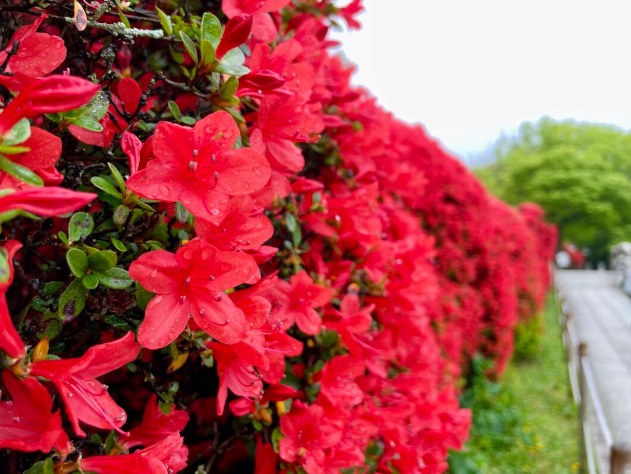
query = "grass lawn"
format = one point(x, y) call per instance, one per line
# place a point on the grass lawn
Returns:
point(528, 423)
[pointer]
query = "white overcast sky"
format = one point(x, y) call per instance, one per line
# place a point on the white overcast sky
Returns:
point(469, 70)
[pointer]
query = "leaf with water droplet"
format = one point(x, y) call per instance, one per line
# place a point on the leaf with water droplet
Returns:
point(90, 114)
point(80, 226)
point(181, 213)
point(72, 300)
point(210, 30)
point(115, 278)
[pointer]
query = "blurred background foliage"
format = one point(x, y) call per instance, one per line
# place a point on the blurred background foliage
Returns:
point(580, 173)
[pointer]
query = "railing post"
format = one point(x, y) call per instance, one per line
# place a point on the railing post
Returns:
point(620, 458)
point(582, 351)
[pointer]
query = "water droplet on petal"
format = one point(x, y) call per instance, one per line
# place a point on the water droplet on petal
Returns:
point(164, 189)
point(69, 394)
point(215, 212)
point(219, 297)
point(187, 280)
point(202, 312)
point(212, 277)
point(182, 299)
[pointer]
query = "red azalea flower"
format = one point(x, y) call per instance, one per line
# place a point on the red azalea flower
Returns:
point(155, 425)
point(10, 340)
point(38, 54)
point(199, 167)
point(45, 150)
point(337, 381)
point(298, 300)
point(26, 423)
point(265, 458)
point(45, 202)
point(48, 95)
point(236, 32)
point(235, 374)
point(351, 321)
point(306, 435)
point(165, 457)
point(264, 345)
point(191, 283)
point(125, 101)
point(245, 227)
point(85, 397)
point(280, 123)
point(264, 28)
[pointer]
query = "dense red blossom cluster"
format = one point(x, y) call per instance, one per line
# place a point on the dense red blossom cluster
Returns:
point(271, 273)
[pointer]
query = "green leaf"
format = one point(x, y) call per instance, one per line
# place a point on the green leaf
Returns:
point(105, 186)
point(121, 214)
point(175, 110)
point(117, 322)
point(43, 467)
point(5, 269)
point(181, 213)
point(165, 21)
point(52, 287)
point(165, 407)
point(110, 441)
point(290, 221)
point(190, 46)
point(90, 281)
point(234, 57)
point(232, 69)
point(276, 437)
point(13, 150)
point(20, 172)
point(63, 237)
point(115, 278)
point(90, 114)
point(211, 30)
point(119, 245)
point(124, 19)
point(296, 236)
point(72, 300)
point(20, 132)
point(186, 120)
point(208, 53)
point(118, 177)
point(143, 296)
point(80, 226)
point(103, 260)
point(229, 88)
point(77, 262)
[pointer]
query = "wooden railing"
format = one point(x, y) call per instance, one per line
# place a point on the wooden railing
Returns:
point(600, 451)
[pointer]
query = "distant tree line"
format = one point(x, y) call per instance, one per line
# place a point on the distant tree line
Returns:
point(580, 173)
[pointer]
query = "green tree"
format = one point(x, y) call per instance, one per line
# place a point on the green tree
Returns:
point(579, 173)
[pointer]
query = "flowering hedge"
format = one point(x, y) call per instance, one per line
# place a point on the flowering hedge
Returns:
point(267, 270)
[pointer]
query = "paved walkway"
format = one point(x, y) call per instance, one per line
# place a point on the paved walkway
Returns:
point(601, 314)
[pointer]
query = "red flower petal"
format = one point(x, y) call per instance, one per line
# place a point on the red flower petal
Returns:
point(165, 319)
